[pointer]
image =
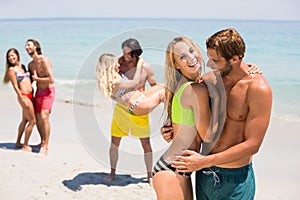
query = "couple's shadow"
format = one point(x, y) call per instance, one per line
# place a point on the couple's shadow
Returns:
point(12, 146)
point(89, 178)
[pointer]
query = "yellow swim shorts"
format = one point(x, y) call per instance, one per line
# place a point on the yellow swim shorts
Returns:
point(124, 123)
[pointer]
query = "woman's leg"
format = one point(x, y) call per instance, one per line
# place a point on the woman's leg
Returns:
point(21, 129)
point(29, 114)
point(169, 185)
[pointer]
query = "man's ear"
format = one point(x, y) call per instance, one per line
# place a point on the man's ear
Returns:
point(234, 59)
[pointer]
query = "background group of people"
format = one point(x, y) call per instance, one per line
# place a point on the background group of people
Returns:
point(36, 107)
point(216, 121)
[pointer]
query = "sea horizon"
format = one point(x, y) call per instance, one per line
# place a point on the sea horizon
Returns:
point(141, 18)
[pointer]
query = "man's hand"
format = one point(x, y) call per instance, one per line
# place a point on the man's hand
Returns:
point(167, 131)
point(34, 76)
point(189, 161)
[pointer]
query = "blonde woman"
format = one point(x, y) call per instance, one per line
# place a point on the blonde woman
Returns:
point(187, 105)
point(110, 82)
point(113, 85)
point(17, 74)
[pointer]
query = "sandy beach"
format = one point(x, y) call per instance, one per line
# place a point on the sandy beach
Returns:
point(67, 172)
point(70, 172)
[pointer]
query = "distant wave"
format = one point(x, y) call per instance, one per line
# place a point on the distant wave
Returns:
point(81, 102)
point(74, 81)
point(286, 117)
point(285, 82)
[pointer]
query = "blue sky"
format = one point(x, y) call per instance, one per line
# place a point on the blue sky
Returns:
point(218, 9)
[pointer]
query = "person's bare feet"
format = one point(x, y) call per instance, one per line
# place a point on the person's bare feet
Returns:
point(150, 181)
point(43, 152)
point(26, 148)
point(149, 178)
point(38, 145)
point(109, 178)
point(18, 145)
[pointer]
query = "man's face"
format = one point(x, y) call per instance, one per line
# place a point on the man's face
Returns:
point(217, 62)
point(127, 55)
point(30, 48)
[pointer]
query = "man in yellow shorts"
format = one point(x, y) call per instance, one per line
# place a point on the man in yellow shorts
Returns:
point(124, 121)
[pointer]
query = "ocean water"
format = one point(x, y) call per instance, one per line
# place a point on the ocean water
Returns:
point(74, 45)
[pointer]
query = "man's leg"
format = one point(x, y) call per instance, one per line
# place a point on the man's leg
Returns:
point(199, 190)
point(147, 157)
point(39, 125)
point(113, 155)
point(43, 121)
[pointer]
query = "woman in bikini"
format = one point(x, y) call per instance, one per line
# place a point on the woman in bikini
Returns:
point(17, 74)
point(187, 106)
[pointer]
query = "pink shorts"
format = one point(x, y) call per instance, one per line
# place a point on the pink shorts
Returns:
point(44, 99)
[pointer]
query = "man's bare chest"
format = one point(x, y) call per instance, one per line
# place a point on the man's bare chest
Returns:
point(127, 71)
point(237, 103)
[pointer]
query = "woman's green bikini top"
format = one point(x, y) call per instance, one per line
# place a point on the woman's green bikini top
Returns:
point(181, 115)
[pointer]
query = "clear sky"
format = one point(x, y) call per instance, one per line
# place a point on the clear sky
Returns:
point(218, 9)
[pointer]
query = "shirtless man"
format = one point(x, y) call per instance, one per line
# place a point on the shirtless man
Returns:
point(226, 172)
point(41, 69)
point(123, 121)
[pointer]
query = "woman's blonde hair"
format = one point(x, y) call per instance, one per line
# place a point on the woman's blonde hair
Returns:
point(172, 74)
point(105, 70)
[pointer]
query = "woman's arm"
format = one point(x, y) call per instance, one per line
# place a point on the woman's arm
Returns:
point(198, 98)
point(13, 80)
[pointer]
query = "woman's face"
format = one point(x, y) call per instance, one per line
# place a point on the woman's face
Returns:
point(187, 59)
point(12, 57)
